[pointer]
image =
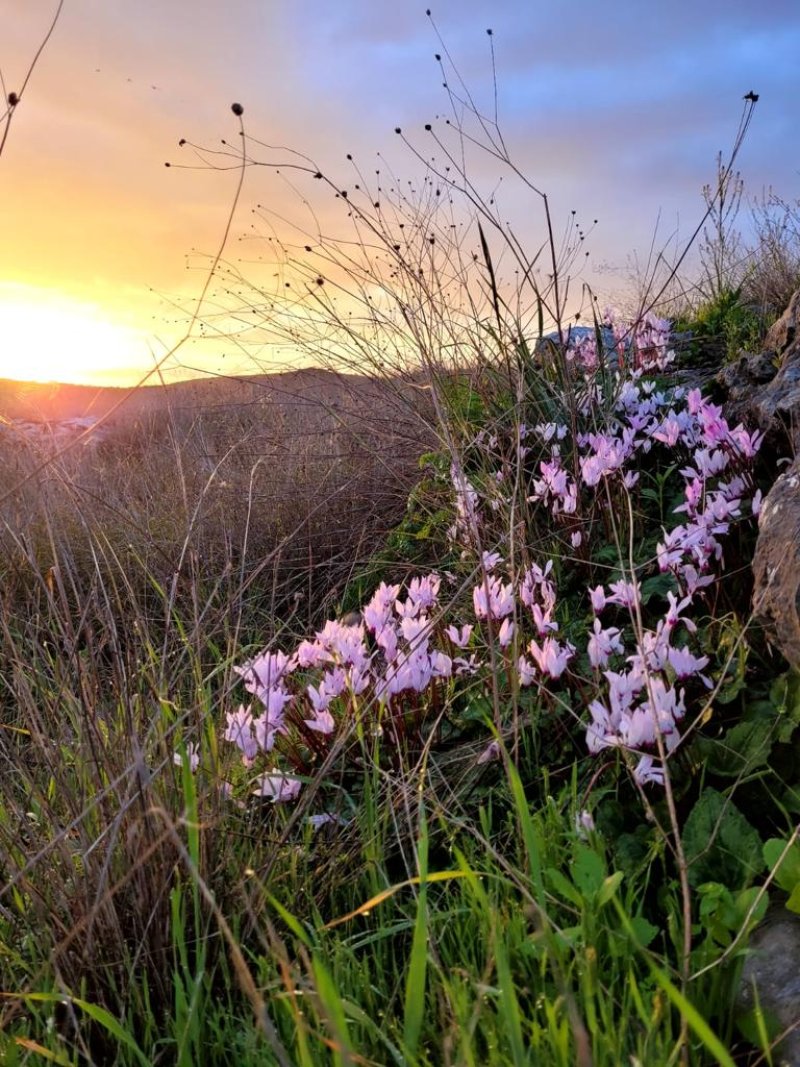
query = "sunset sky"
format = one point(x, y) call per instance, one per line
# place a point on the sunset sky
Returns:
point(616, 109)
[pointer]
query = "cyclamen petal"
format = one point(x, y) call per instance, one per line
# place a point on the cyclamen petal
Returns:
point(277, 787)
point(598, 598)
point(647, 771)
point(192, 757)
point(265, 671)
point(551, 658)
point(626, 594)
point(441, 665)
point(460, 638)
point(490, 753)
point(312, 654)
point(490, 560)
point(603, 644)
point(685, 664)
point(322, 723)
point(506, 634)
point(266, 729)
point(467, 666)
point(527, 672)
point(239, 731)
point(491, 599)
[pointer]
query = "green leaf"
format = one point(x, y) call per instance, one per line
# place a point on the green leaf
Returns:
point(787, 869)
point(785, 698)
point(631, 851)
point(563, 886)
point(588, 871)
point(745, 900)
point(659, 585)
point(793, 903)
point(720, 844)
point(100, 1016)
point(414, 1012)
point(643, 930)
point(739, 750)
point(609, 888)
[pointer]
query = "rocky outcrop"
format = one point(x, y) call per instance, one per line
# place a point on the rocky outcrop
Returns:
point(785, 332)
point(763, 390)
point(776, 565)
point(742, 382)
point(771, 970)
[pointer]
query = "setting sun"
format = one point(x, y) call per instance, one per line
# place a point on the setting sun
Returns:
point(47, 337)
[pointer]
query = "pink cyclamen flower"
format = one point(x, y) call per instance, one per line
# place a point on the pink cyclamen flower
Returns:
point(460, 638)
point(312, 654)
point(626, 594)
point(386, 639)
point(467, 667)
point(551, 658)
point(277, 787)
point(266, 727)
point(424, 591)
point(674, 613)
point(584, 824)
point(598, 598)
point(239, 731)
point(192, 757)
point(685, 664)
point(493, 600)
point(322, 723)
point(543, 621)
point(378, 611)
point(490, 560)
point(490, 753)
point(506, 634)
point(358, 678)
point(441, 665)
point(527, 672)
point(266, 671)
point(647, 770)
point(603, 644)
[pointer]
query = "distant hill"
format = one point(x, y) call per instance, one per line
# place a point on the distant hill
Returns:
point(54, 401)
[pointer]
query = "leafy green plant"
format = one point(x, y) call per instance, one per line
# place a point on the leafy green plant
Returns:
point(725, 325)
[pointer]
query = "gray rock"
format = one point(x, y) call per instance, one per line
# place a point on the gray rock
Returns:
point(785, 331)
point(763, 390)
point(743, 381)
point(773, 967)
point(776, 565)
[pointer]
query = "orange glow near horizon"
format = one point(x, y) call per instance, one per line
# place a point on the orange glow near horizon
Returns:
point(48, 337)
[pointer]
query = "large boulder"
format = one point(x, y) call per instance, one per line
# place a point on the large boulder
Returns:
point(776, 565)
point(764, 390)
point(784, 333)
point(771, 979)
point(743, 381)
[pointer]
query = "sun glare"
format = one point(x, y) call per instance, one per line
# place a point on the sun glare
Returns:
point(48, 338)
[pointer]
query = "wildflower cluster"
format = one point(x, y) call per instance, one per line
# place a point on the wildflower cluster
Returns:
point(407, 656)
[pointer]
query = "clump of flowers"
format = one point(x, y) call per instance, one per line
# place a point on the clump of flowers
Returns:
point(633, 676)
